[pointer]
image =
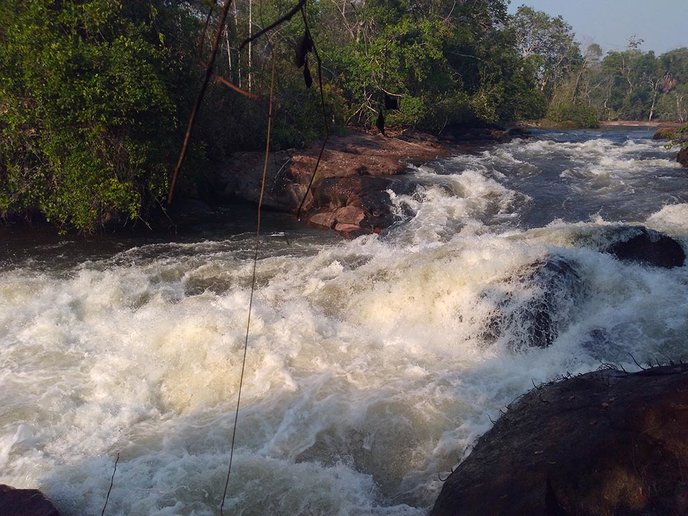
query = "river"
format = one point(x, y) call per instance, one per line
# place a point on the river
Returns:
point(369, 373)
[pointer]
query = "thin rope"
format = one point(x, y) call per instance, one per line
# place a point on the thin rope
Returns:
point(324, 114)
point(112, 481)
point(253, 282)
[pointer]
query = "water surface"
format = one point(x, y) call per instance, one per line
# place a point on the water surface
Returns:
point(369, 373)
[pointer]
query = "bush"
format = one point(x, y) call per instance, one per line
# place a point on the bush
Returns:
point(573, 115)
point(89, 110)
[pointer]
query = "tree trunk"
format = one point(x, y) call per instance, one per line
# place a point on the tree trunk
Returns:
point(250, 44)
point(654, 102)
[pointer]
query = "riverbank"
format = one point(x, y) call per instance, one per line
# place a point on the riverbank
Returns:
point(640, 123)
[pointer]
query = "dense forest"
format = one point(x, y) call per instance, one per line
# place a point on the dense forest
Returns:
point(95, 94)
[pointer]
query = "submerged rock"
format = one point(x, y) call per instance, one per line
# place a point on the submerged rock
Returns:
point(605, 442)
point(537, 304)
point(25, 502)
point(646, 246)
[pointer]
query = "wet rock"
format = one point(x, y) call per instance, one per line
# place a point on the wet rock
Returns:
point(355, 173)
point(605, 442)
point(646, 246)
point(25, 502)
point(360, 200)
point(682, 157)
point(664, 133)
point(519, 132)
point(536, 305)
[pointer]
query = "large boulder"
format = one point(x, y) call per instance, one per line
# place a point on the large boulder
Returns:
point(534, 306)
point(350, 191)
point(25, 502)
point(606, 442)
point(359, 201)
point(646, 246)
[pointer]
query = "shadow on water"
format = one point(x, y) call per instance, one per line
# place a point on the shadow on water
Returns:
point(41, 247)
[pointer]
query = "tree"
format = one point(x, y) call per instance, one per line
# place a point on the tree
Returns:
point(89, 99)
point(548, 43)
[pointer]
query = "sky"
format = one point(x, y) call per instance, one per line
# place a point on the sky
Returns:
point(662, 24)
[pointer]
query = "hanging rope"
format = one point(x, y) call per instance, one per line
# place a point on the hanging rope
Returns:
point(112, 482)
point(253, 279)
point(324, 113)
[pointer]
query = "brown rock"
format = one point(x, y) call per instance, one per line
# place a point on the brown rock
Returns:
point(664, 133)
point(605, 442)
point(353, 177)
point(350, 215)
point(25, 502)
point(682, 156)
point(349, 230)
point(325, 219)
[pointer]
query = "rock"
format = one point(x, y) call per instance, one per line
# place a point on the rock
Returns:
point(25, 502)
point(682, 156)
point(360, 200)
point(536, 305)
point(646, 246)
point(189, 211)
point(351, 185)
point(326, 219)
point(664, 133)
point(490, 133)
point(353, 215)
point(605, 442)
point(519, 132)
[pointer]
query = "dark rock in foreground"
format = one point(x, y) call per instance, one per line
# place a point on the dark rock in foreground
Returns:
point(648, 247)
point(24, 502)
point(605, 442)
point(538, 306)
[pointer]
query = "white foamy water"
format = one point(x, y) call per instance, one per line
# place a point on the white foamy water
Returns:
point(371, 369)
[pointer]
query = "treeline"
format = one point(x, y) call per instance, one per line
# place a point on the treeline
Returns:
point(585, 86)
point(95, 94)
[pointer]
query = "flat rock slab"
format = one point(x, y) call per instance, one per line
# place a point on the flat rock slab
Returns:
point(25, 502)
point(349, 193)
point(601, 443)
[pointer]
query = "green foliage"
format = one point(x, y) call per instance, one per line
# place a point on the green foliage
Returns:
point(547, 44)
point(94, 94)
point(565, 113)
point(88, 112)
point(450, 63)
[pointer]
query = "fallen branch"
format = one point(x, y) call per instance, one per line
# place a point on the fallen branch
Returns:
point(236, 88)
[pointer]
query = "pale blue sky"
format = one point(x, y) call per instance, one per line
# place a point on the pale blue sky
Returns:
point(663, 24)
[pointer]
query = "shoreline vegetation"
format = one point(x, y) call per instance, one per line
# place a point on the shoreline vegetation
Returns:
point(95, 95)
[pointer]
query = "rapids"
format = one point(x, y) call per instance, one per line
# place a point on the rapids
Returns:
point(368, 375)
